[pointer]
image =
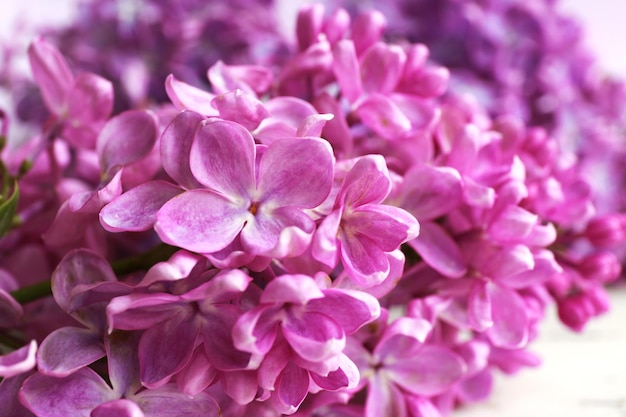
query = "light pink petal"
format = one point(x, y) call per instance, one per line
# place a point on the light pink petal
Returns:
point(222, 158)
point(188, 97)
point(478, 195)
point(510, 319)
point(169, 401)
point(241, 386)
point(438, 250)
point(429, 192)
point(51, 73)
point(223, 288)
point(73, 396)
point(345, 377)
point(165, 349)
point(292, 385)
point(507, 262)
point(479, 307)
point(381, 68)
point(349, 308)
point(313, 125)
point(546, 266)
point(91, 202)
point(346, 69)
point(90, 103)
point(367, 182)
point(384, 398)
point(261, 233)
point(423, 114)
point(313, 336)
point(367, 29)
point(53, 358)
point(296, 289)
point(324, 246)
point(477, 388)
point(136, 210)
point(117, 408)
point(126, 138)
point(431, 371)
point(402, 339)
point(383, 116)
point(422, 407)
point(512, 224)
point(296, 172)
point(19, 361)
point(176, 143)
point(200, 221)
point(241, 108)
point(249, 78)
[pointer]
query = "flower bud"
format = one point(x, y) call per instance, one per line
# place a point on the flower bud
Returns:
point(606, 231)
point(600, 267)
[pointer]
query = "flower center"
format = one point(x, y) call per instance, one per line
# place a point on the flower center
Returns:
point(254, 207)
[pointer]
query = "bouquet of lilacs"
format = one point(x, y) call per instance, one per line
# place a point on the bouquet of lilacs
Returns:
point(331, 234)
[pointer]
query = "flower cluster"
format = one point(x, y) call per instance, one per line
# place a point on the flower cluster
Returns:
point(332, 234)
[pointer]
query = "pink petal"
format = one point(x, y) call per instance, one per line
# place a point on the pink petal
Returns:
point(222, 158)
point(218, 342)
point(200, 221)
point(350, 309)
point(240, 108)
point(241, 386)
point(512, 224)
point(75, 395)
point(313, 125)
point(364, 261)
point(51, 73)
point(117, 408)
point(255, 330)
point(345, 377)
point(198, 375)
point(324, 246)
point(313, 336)
point(367, 182)
point(249, 78)
point(53, 359)
point(431, 371)
point(296, 172)
point(384, 398)
point(346, 69)
point(141, 311)
point(19, 361)
point(439, 250)
point(430, 192)
point(136, 210)
point(126, 138)
point(169, 401)
point(367, 29)
point(188, 97)
point(479, 307)
point(296, 289)
point(383, 116)
point(309, 25)
point(402, 339)
point(176, 143)
point(381, 68)
point(292, 385)
point(387, 226)
point(510, 319)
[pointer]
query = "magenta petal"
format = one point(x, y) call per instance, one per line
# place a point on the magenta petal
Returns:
point(141, 311)
point(241, 108)
point(223, 157)
point(402, 339)
point(346, 376)
point(19, 361)
point(383, 116)
point(126, 138)
point(296, 172)
point(136, 209)
point(313, 336)
point(169, 401)
point(309, 25)
point(384, 398)
point(249, 78)
point(388, 226)
point(364, 261)
point(176, 143)
point(188, 97)
point(350, 309)
point(324, 246)
point(165, 349)
point(198, 375)
point(218, 342)
point(512, 224)
point(255, 330)
point(313, 125)
point(439, 250)
point(200, 221)
point(510, 318)
point(117, 408)
point(367, 182)
point(430, 192)
point(75, 395)
point(431, 371)
point(381, 68)
point(241, 386)
point(51, 73)
point(346, 69)
point(292, 385)
point(367, 29)
point(90, 104)
point(85, 345)
point(479, 307)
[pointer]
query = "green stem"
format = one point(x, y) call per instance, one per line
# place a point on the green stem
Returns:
point(32, 292)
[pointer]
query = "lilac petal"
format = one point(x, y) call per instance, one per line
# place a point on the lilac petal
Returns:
point(255, 330)
point(296, 172)
point(313, 336)
point(142, 311)
point(313, 125)
point(136, 210)
point(241, 386)
point(169, 401)
point(428, 82)
point(430, 372)
point(295, 289)
point(249, 78)
point(9, 396)
point(77, 271)
point(546, 266)
point(479, 307)
point(388, 226)
point(510, 318)
point(273, 364)
point(367, 29)
point(197, 376)
point(367, 182)
point(188, 97)
point(349, 308)
point(218, 342)
point(53, 359)
point(126, 138)
point(241, 108)
point(345, 377)
point(324, 246)
point(309, 25)
point(261, 233)
point(292, 385)
point(200, 221)
point(90, 103)
point(222, 158)
point(75, 395)
point(91, 202)
point(383, 116)
point(381, 68)
point(51, 73)
point(10, 310)
point(176, 143)
point(165, 349)
point(346, 69)
point(384, 398)
point(336, 25)
point(123, 362)
point(478, 195)
point(430, 192)
point(512, 224)
point(508, 262)
point(422, 407)
point(19, 361)
point(286, 115)
point(402, 339)
point(336, 131)
point(477, 388)
point(222, 288)
point(117, 408)
point(364, 261)
point(439, 250)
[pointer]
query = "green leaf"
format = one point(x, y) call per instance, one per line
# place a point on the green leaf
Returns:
point(8, 207)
